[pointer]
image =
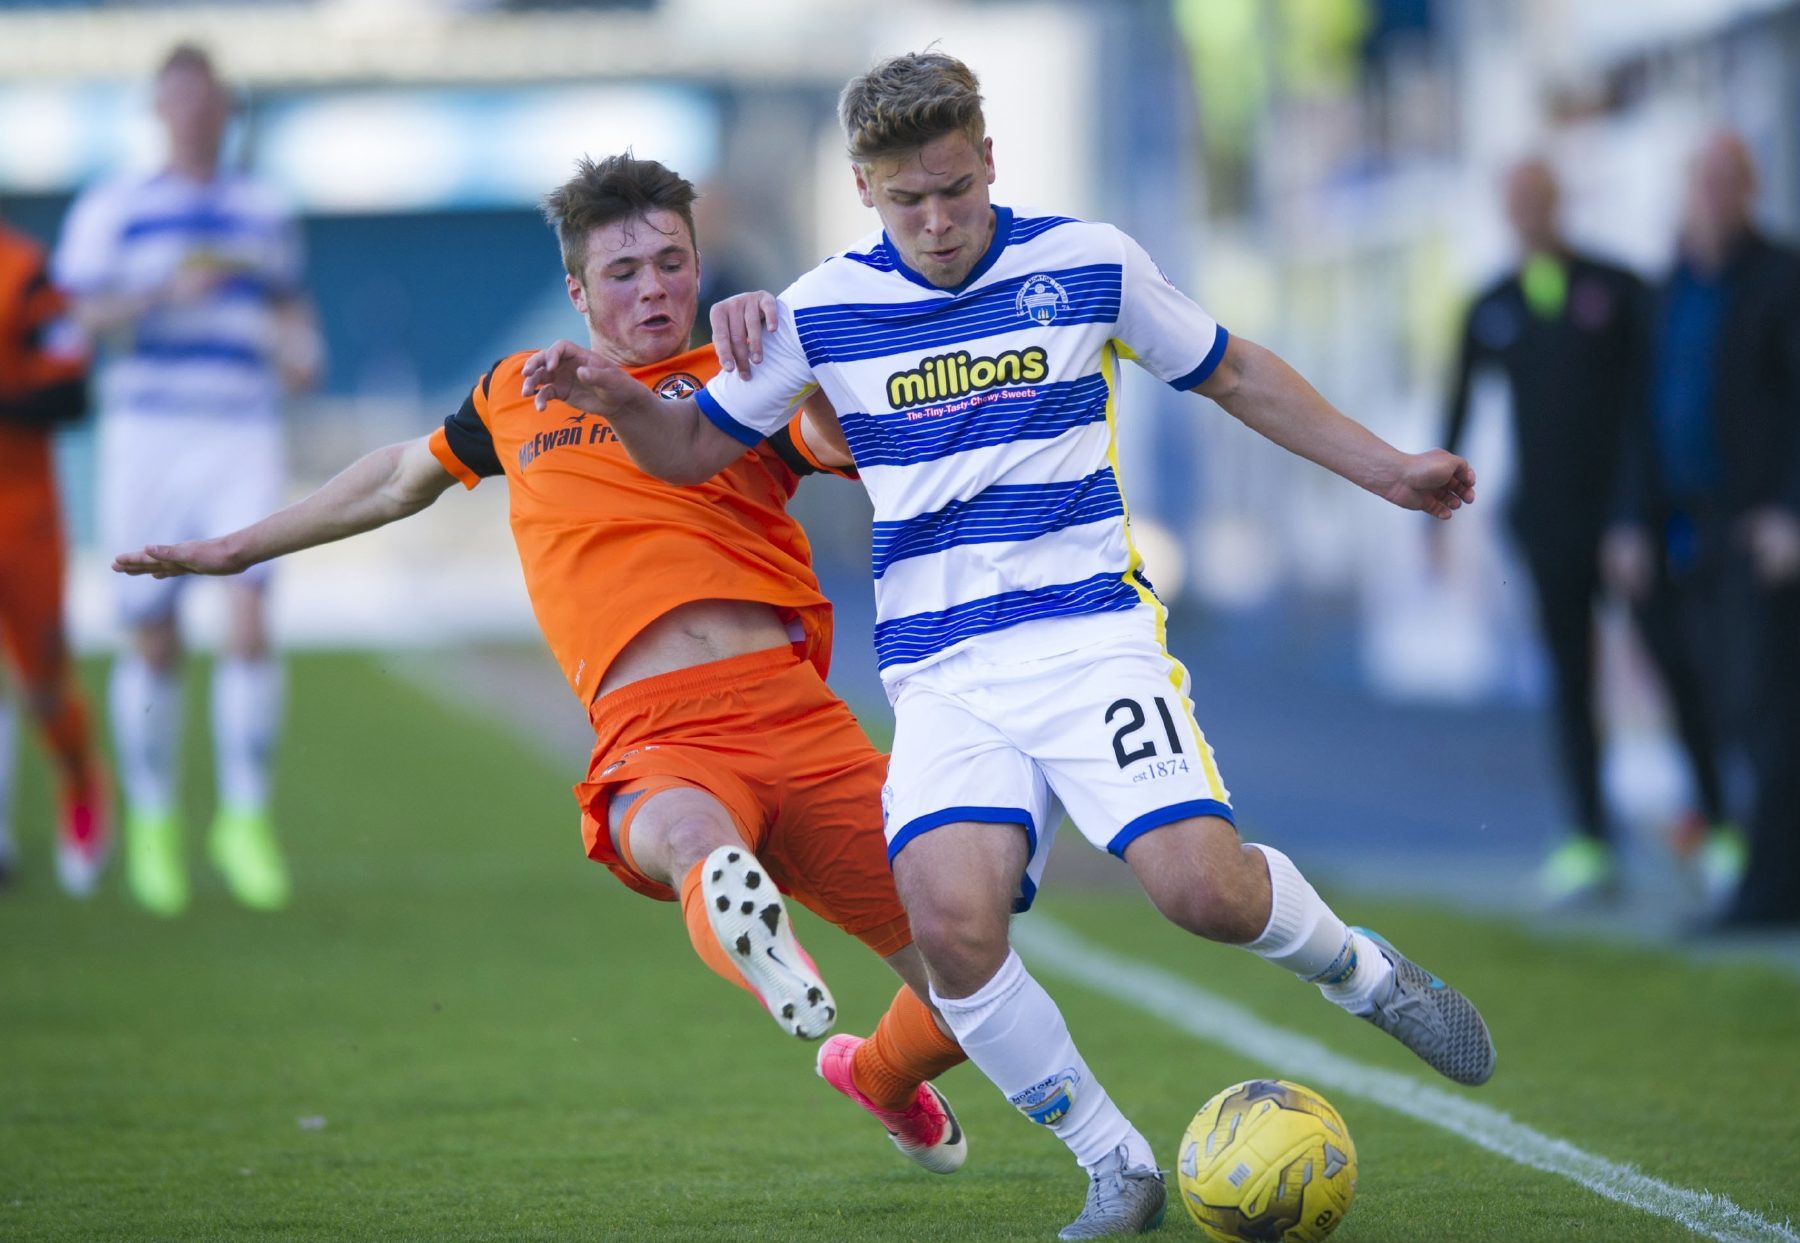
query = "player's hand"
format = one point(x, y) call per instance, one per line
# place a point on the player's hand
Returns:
point(1627, 561)
point(192, 282)
point(205, 556)
point(1773, 536)
point(738, 324)
point(1436, 481)
point(584, 379)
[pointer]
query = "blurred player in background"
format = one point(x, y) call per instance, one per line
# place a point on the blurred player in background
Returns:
point(973, 350)
point(189, 282)
point(43, 381)
point(690, 624)
point(1570, 332)
point(1710, 529)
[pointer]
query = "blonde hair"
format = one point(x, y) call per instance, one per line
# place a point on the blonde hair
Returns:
point(906, 101)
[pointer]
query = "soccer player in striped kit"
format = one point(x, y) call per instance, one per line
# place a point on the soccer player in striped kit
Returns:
point(971, 353)
point(189, 282)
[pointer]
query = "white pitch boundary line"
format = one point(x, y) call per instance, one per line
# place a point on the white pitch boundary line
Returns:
point(1199, 1013)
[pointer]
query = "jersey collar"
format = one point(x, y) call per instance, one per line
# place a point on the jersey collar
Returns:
point(1003, 219)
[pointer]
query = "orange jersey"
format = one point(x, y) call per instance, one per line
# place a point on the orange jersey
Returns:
point(606, 548)
point(39, 385)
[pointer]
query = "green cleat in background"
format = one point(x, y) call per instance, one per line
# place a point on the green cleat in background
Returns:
point(242, 846)
point(1578, 871)
point(155, 872)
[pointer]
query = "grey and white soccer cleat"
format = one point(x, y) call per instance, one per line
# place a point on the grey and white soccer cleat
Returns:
point(1432, 1019)
point(751, 922)
point(1121, 1200)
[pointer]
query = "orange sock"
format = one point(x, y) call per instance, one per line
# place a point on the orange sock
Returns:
point(700, 932)
point(906, 1049)
point(67, 734)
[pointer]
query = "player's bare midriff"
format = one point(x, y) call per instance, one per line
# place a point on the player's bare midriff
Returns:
point(696, 633)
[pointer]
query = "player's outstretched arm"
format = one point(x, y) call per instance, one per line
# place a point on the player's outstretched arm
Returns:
point(377, 489)
point(1261, 391)
point(669, 439)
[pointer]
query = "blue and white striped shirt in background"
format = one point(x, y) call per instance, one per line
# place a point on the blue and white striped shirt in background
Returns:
point(981, 420)
point(214, 356)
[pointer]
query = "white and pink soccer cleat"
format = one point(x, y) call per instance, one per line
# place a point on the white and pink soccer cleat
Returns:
point(927, 1130)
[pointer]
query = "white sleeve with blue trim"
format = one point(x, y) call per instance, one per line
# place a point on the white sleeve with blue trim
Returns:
point(86, 257)
point(1162, 329)
point(760, 406)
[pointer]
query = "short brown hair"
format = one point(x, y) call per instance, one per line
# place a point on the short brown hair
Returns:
point(906, 101)
point(187, 55)
point(616, 188)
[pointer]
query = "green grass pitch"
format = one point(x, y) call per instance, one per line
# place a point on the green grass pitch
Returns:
point(462, 1030)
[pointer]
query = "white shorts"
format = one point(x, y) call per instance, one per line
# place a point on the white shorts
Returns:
point(165, 478)
point(1106, 731)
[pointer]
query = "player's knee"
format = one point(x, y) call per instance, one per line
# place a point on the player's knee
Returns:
point(962, 942)
point(158, 644)
point(687, 838)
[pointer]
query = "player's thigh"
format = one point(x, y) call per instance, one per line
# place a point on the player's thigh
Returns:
point(152, 490)
point(31, 597)
point(954, 774)
point(827, 848)
point(1116, 736)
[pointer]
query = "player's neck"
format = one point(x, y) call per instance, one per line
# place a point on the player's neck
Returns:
point(201, 166)
point(620, 358)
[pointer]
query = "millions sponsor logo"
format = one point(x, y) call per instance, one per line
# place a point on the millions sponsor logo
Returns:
point(946, 376)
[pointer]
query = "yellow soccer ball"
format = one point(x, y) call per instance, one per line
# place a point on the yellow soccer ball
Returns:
point(1267, 1162)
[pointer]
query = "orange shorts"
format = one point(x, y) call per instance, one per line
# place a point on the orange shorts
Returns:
point(765, 736)
point(31, 570)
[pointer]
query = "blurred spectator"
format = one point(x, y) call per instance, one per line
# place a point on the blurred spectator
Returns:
point(190, 280)
point(1568, 330)
point(43, 381)
point(1710, 511)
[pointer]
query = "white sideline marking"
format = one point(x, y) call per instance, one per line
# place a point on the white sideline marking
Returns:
point(1211, 1017)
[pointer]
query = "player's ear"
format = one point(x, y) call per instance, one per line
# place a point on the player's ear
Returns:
point(987, 158)
point(862, 185)
point(577, 295)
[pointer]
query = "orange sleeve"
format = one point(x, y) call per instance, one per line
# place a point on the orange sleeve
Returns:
point(795, 436)
point(464, 445)
point(439, 443)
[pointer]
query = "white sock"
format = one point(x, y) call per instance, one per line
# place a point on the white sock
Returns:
point(146, 721)
point(8, 717)
point(1306, 937)
point(246, 717)
point(1013, 1031)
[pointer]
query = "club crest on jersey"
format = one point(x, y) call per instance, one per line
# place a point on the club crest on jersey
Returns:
point(1041, 298)
point(677, 386)
point(1047, 1101)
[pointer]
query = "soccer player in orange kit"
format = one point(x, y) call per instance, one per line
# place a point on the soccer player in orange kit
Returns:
point(41, 383)
point(690, 622)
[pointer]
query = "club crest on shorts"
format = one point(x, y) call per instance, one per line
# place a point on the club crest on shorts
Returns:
point(1041, 298)
point(677, 386)
point(1048, 1101)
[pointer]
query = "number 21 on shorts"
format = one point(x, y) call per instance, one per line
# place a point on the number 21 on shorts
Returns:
point(1126, 717)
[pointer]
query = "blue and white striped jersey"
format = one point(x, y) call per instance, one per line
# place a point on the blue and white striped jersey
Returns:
point(214, 356)
point(981, 418)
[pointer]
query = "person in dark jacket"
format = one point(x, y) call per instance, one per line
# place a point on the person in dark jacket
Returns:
point(1709, 513)
point(1569, 332)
